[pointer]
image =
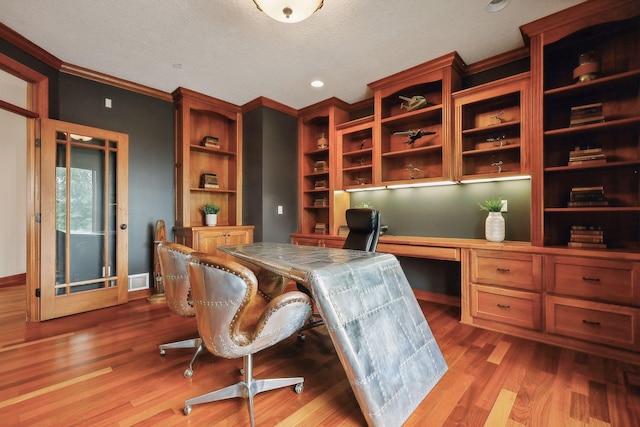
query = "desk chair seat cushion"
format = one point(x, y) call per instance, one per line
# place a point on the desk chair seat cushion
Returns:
point(364, 229)
point(234, 318)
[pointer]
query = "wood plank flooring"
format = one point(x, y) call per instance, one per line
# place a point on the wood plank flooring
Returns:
point(103, 369)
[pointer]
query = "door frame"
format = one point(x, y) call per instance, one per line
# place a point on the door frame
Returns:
point(37, 107)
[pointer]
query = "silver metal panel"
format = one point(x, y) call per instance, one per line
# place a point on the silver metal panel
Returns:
point(381, 336)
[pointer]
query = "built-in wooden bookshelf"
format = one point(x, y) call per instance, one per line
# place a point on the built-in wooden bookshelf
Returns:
point(490, 133)
point(415, 144)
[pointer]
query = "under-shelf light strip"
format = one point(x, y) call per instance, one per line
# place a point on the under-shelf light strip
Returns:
point(439, 183)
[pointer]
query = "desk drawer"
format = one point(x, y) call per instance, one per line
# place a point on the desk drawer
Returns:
point(591, 321)
point(515, 270)
point(508, 306)
point(604, 280)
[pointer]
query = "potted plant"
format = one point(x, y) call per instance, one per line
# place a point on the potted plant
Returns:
point(494, 228)
point(210, 213)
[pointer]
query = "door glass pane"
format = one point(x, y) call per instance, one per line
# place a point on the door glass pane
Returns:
point(61, 215)
point(112, 225)
point(86, 217)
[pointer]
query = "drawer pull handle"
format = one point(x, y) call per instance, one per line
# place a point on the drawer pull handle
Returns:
point(591, 279)
point(506, 307)
point(503, 270)
point(587, 322)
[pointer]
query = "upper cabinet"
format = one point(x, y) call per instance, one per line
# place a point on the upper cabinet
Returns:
point(585, 64)
point(355, 142)
point(208, 158)
point(490, 130)
point(413, 131)
point(321, 209)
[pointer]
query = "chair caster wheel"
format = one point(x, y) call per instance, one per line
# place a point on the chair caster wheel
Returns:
point(188, 373)
point(187, 409)
point(162, 352)
point(302, 337)
point(298, 388)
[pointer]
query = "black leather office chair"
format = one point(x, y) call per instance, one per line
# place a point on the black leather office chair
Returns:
point(364, 232)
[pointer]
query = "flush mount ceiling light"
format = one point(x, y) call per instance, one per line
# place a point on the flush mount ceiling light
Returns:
point(289, 11)
point(496, 5)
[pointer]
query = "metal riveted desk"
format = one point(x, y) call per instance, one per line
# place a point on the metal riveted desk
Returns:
point(382, 339)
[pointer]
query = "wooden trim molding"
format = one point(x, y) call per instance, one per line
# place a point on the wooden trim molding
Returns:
point(269, 103)
point(27, 46)
point(497, 61)
point(114, 81)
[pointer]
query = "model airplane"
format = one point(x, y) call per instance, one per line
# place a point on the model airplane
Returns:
point(497, 116)
point(411, 168)
point(413, 103)
point(414, 135)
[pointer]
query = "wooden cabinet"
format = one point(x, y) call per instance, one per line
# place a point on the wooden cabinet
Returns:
point(503, 290)
point(593, 299)
point(609, 31)
point(607, 324)
point(321, 242)
point(199, 116)
point(207, 239)
point(355, 159)
point(490, 130)
point(413, 145)
point(321, 209)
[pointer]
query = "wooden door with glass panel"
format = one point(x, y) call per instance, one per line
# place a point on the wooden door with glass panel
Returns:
point(83, 213)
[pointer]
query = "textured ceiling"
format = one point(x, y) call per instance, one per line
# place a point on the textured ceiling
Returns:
point(230, 50)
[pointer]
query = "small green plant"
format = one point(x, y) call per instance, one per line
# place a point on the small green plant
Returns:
point(210, 208)
point(492, 205)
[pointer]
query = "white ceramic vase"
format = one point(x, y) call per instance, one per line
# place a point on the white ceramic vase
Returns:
point(494, 227)
point(211, 219)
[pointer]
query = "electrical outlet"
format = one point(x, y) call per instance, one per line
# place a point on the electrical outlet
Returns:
point(280, 210)
point(504, 206)
point(107, 102)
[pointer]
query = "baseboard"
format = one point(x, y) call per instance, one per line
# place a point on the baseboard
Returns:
point(140, 294)
point(436, 297)
point(15, 280)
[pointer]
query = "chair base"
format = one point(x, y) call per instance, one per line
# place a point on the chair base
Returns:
point(247, 388)
point(191, 343)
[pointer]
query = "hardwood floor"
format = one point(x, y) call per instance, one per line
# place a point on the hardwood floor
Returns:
point(103, 369)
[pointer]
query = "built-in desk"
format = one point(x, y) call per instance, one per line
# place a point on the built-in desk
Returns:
point(586, 300)
point(380, 334)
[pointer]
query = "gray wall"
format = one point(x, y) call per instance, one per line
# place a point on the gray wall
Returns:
point(270, 164)
point(451, 211)
point(149, 122)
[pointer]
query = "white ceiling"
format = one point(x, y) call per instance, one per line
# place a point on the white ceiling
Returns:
point(230, 50)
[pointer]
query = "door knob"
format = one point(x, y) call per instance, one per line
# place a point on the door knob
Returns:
point(123, 226)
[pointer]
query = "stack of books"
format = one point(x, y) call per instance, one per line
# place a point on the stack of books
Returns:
point(210, 142)
point(586, 114)
point(587, 196)
point(321, 166)
point(321, 202)
point(587, 236)
point(321, 228)
point(209, 180)
point(320, 183)
point(591, 156)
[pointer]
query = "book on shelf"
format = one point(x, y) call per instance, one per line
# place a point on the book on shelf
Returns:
point(210, 142)
point(209, 180)
point(591, 203)
point(321, 202)
point(586, 236)
point(343, 230)
point(586, 114)
point(321, 183)
point(321, 166)
point(321, 228)
point(586, 245)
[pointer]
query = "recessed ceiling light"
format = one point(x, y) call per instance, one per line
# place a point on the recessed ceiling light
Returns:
point(496, 5)
point(317, 83)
